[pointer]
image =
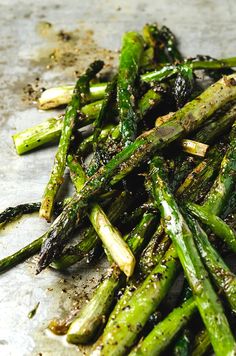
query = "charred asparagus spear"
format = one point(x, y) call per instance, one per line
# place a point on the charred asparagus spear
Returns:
point(121, 334)
point(219, 195)
point(73, 254)
point(131, 53)
point(220, 272)
point(165, 331)
point(183, 122)
point(205, 297)
point(171, 70)
point(50, 129)
point(80, 94)
point(109, 235)
point(94, 314)
point(105, 108)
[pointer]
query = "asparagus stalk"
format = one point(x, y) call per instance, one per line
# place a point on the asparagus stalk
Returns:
point(220, 273)
point(93, 315)
point(80, 94)
point(170, 70)
point(109, 235)
point(165, 331)
point(72, 255)
point(112, 240)
point(122, 333)
point(106, 105)
point(21, 255)
point(194, 189)
point(154, 251)
point(183, 122)
point(129, 62)
point(50, 129)
point(151, 35)
point(12, 213)
point(171, 44)
point(217, 225)
point(210, 131)
point(62, 95)
point(78, 252)
point(224, 184)
point(206, 299)
point(47, 131)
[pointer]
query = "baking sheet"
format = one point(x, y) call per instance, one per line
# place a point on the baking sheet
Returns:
point(35, 54)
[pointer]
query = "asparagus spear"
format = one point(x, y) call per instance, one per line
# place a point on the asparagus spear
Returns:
point(93, 314)
point(183, 122)
point(220, 273)
point(21, 255)
point(171, 70)
point(224, 184)
point(129, 62)
point(106, 105)
point(109, 235)
point(217, 225)
point(86, 325)
point(90, 240)
point(122, 333)
point(73, 254)
point(164, 332)
point(62, 95)
point(50, 130)
point(205, 173)
point(11, 213)
point(112, 240)
point(218, 196)
point(208, 305)
point(47, 131)
point(152, 37)
point(210, 131)
point(171, 44)
point(154, 251)
point(80, 94)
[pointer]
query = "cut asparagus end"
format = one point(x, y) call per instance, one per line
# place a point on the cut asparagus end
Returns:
point(54, 97)
point(194, 148)
point(46, 208)
point(38, 135)
point(112, 240)
point(62, 95)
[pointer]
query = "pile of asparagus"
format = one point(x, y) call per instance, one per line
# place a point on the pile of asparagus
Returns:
point(152, 156)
